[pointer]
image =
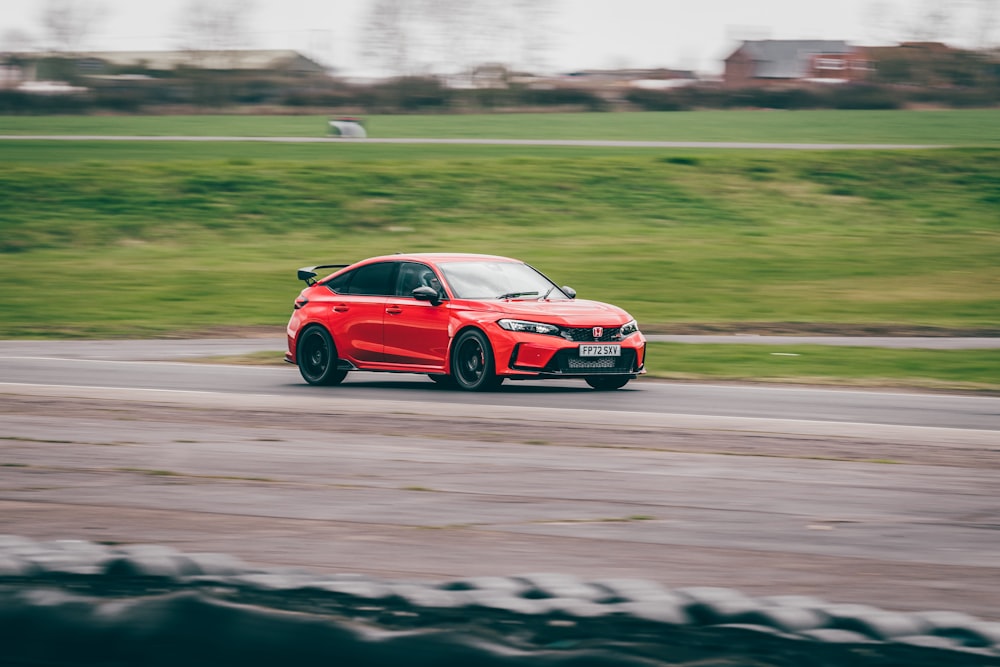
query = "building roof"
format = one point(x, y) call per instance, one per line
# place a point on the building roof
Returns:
point(789, 58)
point(218, 60)
point(632, 74)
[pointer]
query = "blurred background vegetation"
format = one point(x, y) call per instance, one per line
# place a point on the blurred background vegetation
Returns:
point(912, 74)
point(198, 91)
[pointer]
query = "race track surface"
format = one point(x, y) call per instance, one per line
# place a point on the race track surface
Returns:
point(884, 498)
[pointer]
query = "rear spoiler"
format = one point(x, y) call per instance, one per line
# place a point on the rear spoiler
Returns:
point(307, 274)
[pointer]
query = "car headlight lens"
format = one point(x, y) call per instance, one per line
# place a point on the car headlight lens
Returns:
point(529, 327)
point(629, 328)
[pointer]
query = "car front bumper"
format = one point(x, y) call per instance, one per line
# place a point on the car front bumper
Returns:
point(535, 355)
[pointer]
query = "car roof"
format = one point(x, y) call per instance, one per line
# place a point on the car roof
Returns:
point(436, 257)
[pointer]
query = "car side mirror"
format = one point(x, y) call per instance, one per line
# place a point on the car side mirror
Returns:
point(425, 293)
point(568, 291)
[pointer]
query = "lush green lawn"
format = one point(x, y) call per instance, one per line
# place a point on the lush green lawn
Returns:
point(86, 154)
point(814, 364)
point(105, 246)
point(972, 127)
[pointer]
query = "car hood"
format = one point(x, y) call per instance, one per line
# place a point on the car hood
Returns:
point(576, 312)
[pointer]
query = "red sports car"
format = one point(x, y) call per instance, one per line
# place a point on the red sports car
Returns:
point(465, 320)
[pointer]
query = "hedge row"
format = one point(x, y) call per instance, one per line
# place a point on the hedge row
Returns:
point(854, 96)
point(416, 94)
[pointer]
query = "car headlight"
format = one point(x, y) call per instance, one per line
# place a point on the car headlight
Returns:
point(629, 328)
point(529, 327)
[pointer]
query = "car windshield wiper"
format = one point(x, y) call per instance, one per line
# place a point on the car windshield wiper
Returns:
point(514, 295)
point(546, 295)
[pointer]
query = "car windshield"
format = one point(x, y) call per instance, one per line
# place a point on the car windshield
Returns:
point(498, 280)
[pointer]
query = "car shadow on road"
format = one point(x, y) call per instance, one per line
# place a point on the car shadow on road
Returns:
point(427, 386)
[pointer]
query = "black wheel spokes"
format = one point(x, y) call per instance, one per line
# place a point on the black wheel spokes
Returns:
point(474, 362)
point(316, 355)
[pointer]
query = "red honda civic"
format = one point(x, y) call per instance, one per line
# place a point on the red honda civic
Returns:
point(469, 321)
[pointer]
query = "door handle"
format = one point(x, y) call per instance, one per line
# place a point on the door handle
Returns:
point(340, 308)
point(394, 310)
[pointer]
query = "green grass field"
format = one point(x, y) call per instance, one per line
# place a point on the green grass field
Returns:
point(86, 154)
point(969, 370)
point(163, 238)
point(971, 127)
point(880, 239)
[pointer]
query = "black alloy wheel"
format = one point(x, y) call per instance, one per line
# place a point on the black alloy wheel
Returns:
point(472, 364)
point(317, 358)
point(607, 382)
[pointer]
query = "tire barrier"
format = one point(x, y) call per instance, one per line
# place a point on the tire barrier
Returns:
point(70, 602)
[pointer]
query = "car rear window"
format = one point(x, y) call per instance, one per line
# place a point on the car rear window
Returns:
point(371, 279)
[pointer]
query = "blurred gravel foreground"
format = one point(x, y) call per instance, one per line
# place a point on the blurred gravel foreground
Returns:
point(72, 602)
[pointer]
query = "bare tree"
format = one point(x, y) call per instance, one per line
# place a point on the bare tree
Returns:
point(970, 23)
point(387, 34)
point(452, 25)
point(931, 21)
point(516, 33)
point(535, 30)
point(215, 26)
point(405, 36)
point(68, 24)
point(986, 15)
point(16, 40)
point(880, 21)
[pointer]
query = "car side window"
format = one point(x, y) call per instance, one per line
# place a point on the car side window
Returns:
point(413, 275)
point(339, 284)
point(374, 279)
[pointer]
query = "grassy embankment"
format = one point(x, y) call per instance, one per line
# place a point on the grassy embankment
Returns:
point(969, 127)
point(147, 239)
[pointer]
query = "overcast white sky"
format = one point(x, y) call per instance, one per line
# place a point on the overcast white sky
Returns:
point(686, 34)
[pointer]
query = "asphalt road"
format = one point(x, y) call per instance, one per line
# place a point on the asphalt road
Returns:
point(883, 498)
point(123, 364)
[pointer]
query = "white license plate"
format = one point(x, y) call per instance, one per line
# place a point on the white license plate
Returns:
point(600, 350)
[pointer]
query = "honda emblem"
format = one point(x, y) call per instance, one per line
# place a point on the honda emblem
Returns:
point(598, 332)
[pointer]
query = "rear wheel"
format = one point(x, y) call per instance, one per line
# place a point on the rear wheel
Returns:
point(472, 364)
point(607, 382)
point(317, 358)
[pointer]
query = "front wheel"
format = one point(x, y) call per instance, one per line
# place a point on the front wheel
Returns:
point(608, 382)
point(317, 358)
point(472, 364)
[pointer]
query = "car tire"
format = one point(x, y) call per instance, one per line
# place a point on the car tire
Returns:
point(472, 366)
point(607, 382)
point(317, 357)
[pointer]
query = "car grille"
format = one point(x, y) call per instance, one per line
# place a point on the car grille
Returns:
point(589, 363)
point(586, 334)
point(569, 361)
